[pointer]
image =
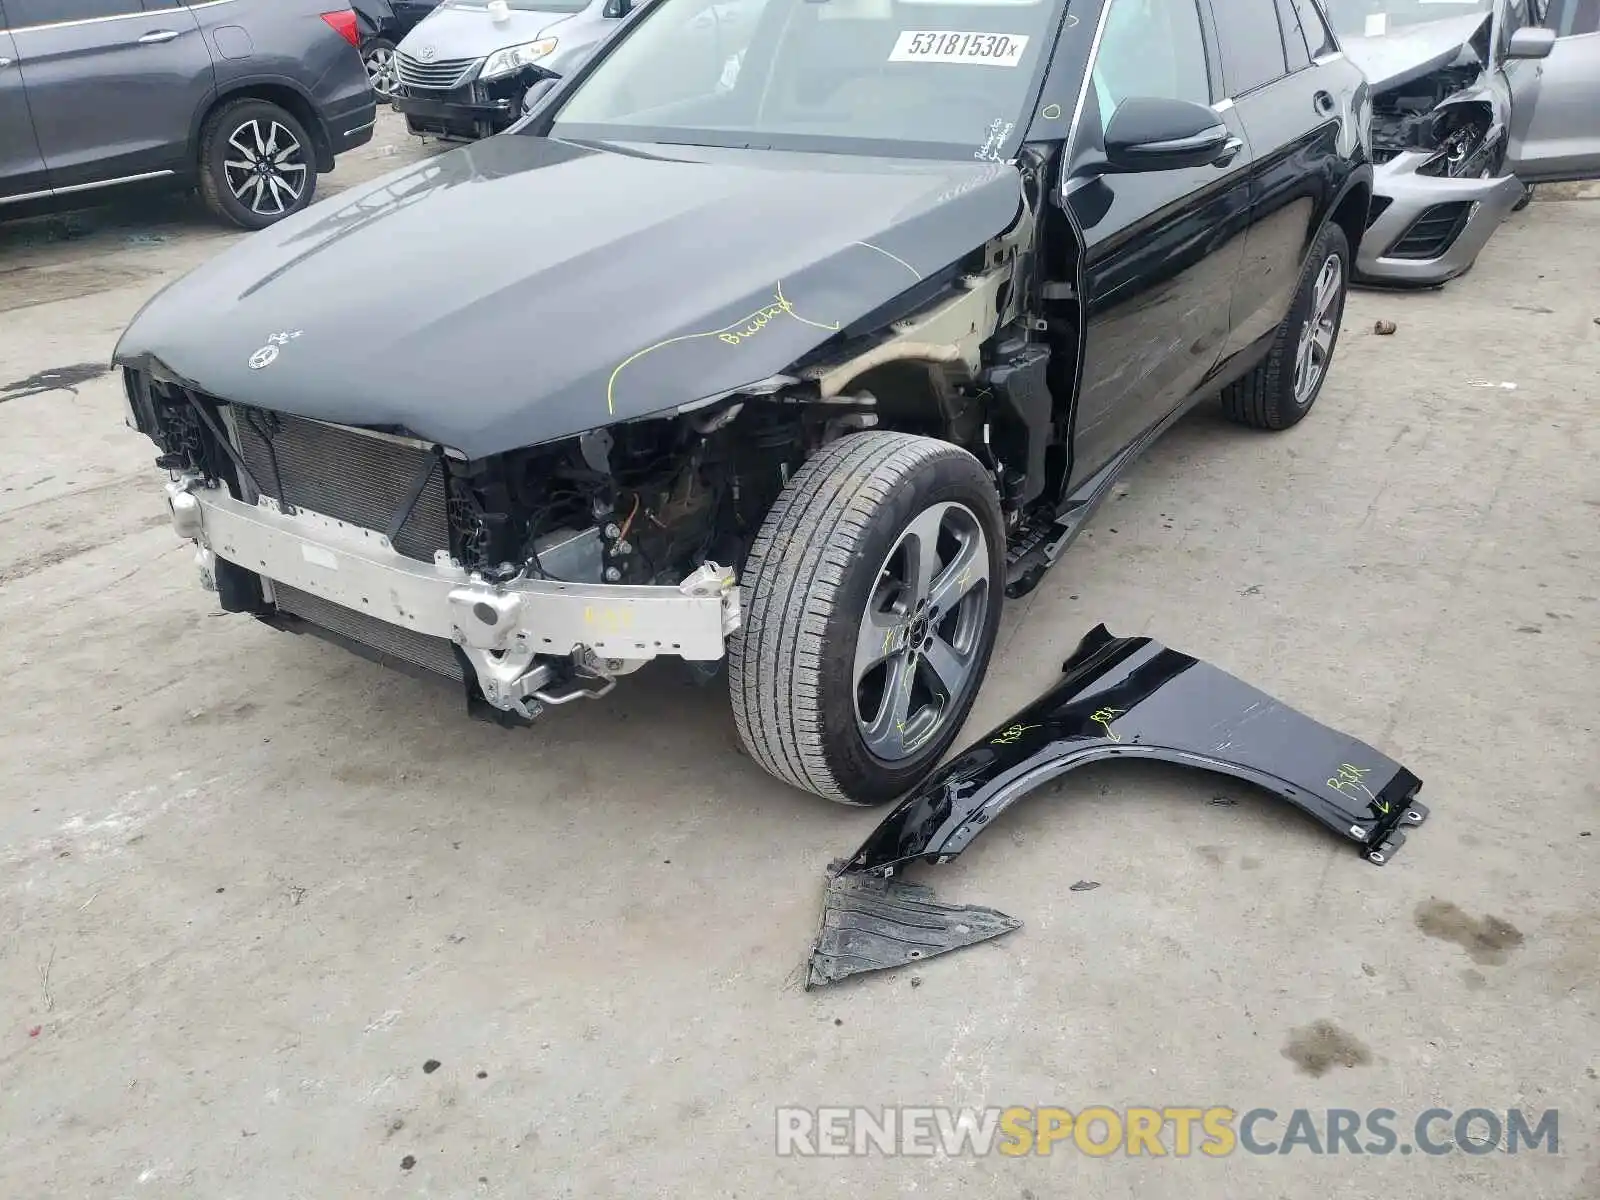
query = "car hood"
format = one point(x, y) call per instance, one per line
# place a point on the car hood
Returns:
point(1411, 51)
point(521, 289)
point(455, 32)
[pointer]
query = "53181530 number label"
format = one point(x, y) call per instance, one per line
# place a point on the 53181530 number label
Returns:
point(945, 46)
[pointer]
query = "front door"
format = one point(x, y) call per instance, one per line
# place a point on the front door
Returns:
point(1555, 135)
point(1162, 249)
point(114, 85)
point(22, 174)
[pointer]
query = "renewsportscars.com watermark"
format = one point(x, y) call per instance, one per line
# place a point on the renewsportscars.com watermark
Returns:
point(1214, 1132)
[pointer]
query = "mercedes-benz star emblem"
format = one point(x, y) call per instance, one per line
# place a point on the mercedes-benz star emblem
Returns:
point(268, 354)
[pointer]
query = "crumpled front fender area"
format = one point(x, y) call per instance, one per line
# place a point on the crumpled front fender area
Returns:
point(1135, 698)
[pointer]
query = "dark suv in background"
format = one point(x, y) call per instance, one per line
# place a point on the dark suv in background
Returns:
point(382, 24)
point(246, 100)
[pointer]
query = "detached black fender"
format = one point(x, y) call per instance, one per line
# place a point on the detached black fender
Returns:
point(1135, 698)
point(1118, 697)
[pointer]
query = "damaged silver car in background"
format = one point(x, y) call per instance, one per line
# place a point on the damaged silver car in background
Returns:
point(1473, 102)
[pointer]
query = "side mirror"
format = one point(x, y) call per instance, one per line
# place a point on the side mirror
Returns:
point(534, 96)
point(1531, 42)
point(1151, 134)
point(617, 8)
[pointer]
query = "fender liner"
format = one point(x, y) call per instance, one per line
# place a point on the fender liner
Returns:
point(1132, 698)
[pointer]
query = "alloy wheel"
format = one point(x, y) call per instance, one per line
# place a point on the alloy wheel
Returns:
point(382, 70)
point(268, 171)
point(919, 640)
point(1316, 338)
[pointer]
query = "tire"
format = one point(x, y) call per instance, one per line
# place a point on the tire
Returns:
point(1527, 198)
point(230, 135)
point(823, 578)
point(377, 54)
point(1271, 396)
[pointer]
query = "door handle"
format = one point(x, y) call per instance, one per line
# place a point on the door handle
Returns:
point(159, 36)
point(1229, 152)
point(1324, 102)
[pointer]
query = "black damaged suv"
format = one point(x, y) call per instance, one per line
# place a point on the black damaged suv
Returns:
point(796, 333)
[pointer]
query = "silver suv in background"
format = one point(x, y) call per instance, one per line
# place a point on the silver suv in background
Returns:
point(1473, 101)
point(247, 101)
point(467, 70)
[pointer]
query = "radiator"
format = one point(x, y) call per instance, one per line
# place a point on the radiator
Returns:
point(353, 477)
point(394, 641)
point(364, 481)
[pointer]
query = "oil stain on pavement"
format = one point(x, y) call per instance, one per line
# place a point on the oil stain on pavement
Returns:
point(1319, 1047)
point(1487, 939)
point(56, 379)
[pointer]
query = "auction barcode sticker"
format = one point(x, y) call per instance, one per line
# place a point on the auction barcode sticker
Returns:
point(943, 46)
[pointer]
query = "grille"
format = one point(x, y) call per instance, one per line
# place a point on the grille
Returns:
point(438, 76)
point(392, 641)
point(350, 476)
point(1431, 234)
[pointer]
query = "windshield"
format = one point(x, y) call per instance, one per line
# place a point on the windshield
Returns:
point(539, 6)
point(1375, 18)
point(921, 78)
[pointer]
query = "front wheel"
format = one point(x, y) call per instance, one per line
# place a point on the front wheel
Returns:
point(872, 598)
point(1282, 389)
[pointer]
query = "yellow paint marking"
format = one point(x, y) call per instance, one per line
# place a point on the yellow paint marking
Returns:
point(1103, 718)
point(733, 333)
point(895, 257)
point(1010, 735)
point(1349, 780)
point(608, 618)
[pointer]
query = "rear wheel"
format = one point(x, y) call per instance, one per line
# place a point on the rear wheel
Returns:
point(378, 55)
point(1282, 389)
point(871, 598)
point(257, 164)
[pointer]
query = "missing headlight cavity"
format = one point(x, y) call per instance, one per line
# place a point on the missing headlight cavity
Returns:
point(1118, 697)
point(1430, 115)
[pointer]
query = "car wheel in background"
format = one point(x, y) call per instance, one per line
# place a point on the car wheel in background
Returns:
point(1527, 198)
point(872, 599)
point(378, 55)
point(1282, 389)
point(257, 164)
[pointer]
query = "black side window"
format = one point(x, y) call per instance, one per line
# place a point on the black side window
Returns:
point(1294, 42)
point(1319, 38)
point(1252, 49)
point(23, 13)
point(1151, 48)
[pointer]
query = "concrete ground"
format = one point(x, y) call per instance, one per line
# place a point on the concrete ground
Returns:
point(250, 886)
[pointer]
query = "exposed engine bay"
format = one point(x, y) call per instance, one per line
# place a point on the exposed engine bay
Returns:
point(1439, 113)
point(567, 563)
point(1451, 113)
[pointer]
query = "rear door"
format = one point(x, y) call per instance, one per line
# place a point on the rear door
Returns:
point(1555, 102)
point(22, 174)
point(1162, 248)
point(1292, 116)
point(113, 85)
